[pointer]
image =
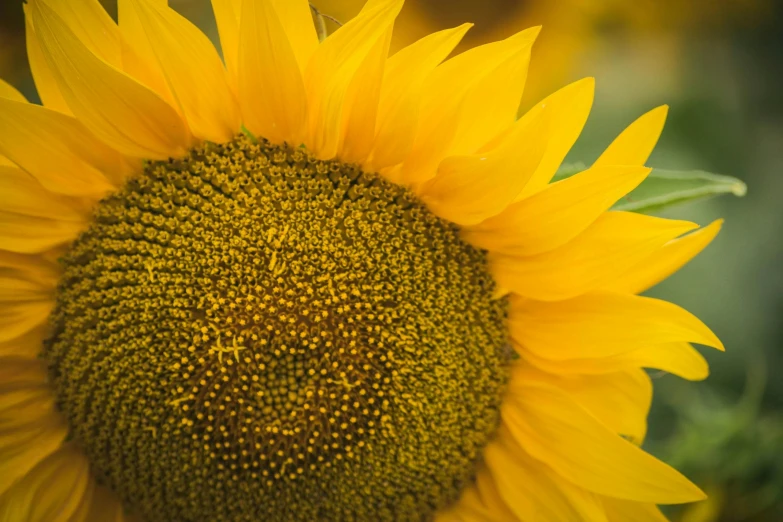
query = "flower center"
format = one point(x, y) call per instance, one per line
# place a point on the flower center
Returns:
point(252, 334)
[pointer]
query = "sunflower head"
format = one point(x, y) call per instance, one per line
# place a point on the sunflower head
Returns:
point(286, 323)
point(312, 281)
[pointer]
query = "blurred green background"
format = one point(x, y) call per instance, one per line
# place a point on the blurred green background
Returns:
point(719, 65)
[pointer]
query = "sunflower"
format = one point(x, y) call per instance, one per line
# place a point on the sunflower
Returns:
point(318, 283)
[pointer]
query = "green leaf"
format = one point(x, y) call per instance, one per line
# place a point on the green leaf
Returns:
point(664, 188)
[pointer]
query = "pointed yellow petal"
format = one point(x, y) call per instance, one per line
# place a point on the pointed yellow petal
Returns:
point(227, 13)
point(50, 492)
point(602, 324)
point(297, 22)
point(493, 104)
point(557, 214)
point(568, 110)
point(469, 189)
point(92, 25)
point(20, 193)
point(634, 145)
point(332, 69)
point(10, 92)
point(680, 359)
point(667, 260)
point(620, 400)
point(45, 83)
point(557, 431)
point(117, 109)
point(532, 490)
point(361, 104)
point(56, 149)
point(273, 105)
point(399, 103)
point(618, 510)
point(193, 70)
point(614, 244)
point(467, 101)
point(138, 57)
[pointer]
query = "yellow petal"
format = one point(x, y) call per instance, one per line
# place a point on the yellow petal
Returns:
point(98, 32)
point(680, 359)
point(493, 104)
point(664, 262)
point(557, 214)
point(56, 149)
point(297, 22)
point(85, 503)
point(614, 244)
point(14, 288)
point(602, 324)
point(466, 102)
point(532, 490)
point(20, 193)
point(117, 109)
point(51, 492)
point(488, 493)
point(33, 235)
point(45, 83)
point(475, 505)
point(21, 317)
point(29, 267)
point(10, 92)
point(568, 110)
point(361, 104)
point(138, 56)
point(193, 70)
point(557, 431)
point(30, 428)
point(469, 189)
point(92, 25)
point(620, 400)
point(16, 374)
point(27, 449)
point(105, 507)
point(332, 69)
point(399, 103)
point(618, 510)
point(273, 105)
point(634, 145)
point(27, 345)
point(227, 13)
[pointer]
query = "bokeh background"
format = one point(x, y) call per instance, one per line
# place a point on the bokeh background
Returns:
point(719, 65)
